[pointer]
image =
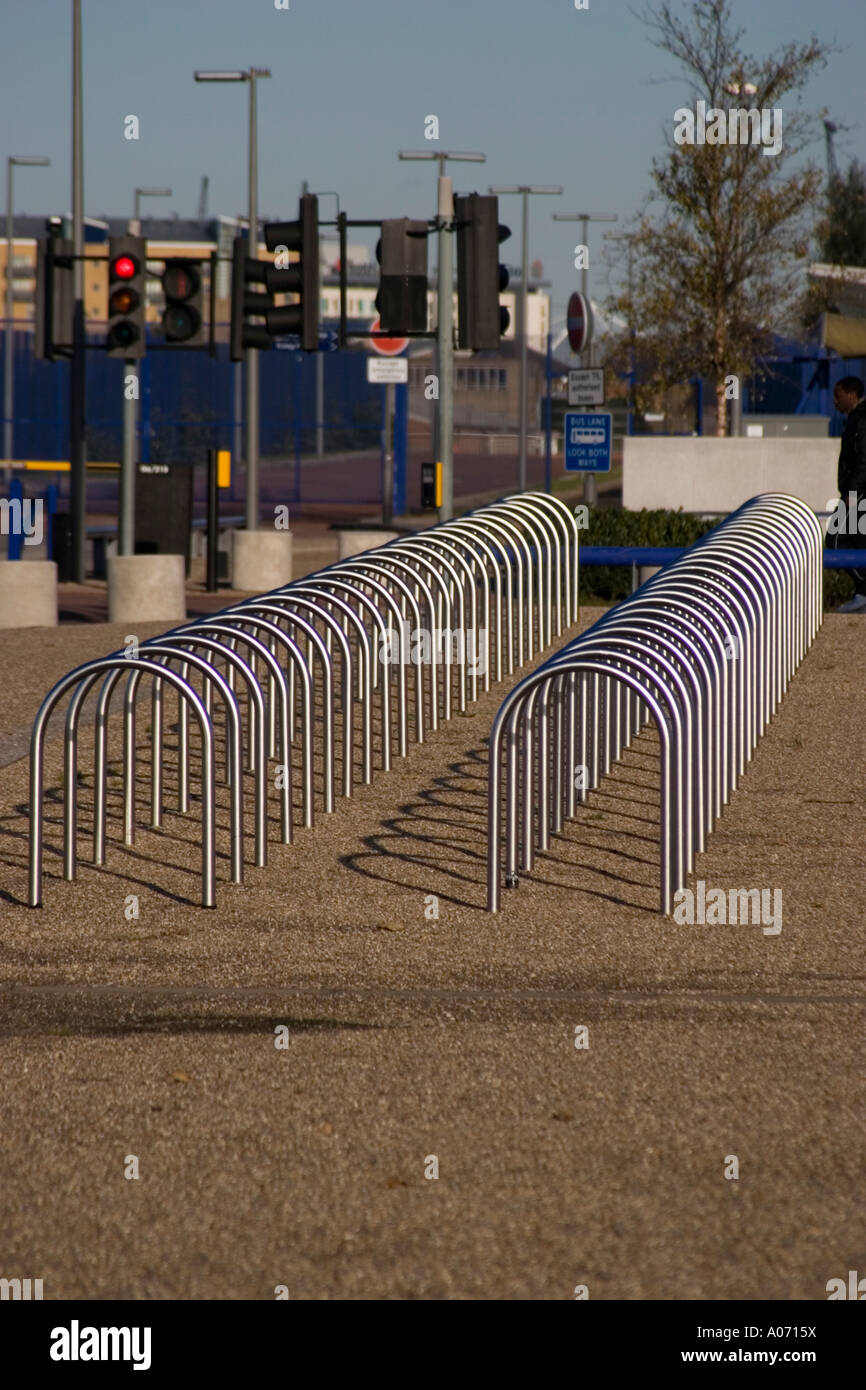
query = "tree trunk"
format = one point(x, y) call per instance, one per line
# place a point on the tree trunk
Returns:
point(721, 410)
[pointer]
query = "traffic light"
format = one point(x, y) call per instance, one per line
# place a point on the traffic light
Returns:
point(301, 278)
point(127, 258)
point(481, 319)
point(402, 297)
point(182, 316)
point(55, 295)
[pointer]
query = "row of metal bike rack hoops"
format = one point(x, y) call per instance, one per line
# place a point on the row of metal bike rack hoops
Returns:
point(704, 650)
point(504, 575)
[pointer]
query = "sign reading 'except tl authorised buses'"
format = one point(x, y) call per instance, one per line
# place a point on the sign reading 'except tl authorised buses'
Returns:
point(587, 442)
point(586, 386)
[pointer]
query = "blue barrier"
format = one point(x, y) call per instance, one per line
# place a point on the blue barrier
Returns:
point(666, 554)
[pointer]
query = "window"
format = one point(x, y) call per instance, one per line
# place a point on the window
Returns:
point(503, 378)
point(461, 376)
point(482, 377)
point(471, 376)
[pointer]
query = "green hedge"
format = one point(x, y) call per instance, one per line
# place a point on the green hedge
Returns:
point(615, 526)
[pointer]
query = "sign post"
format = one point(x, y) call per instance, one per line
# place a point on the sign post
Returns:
point(388, 371)
point(580, 325)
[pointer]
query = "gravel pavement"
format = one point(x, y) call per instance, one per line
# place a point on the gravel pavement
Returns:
point(289, 1071)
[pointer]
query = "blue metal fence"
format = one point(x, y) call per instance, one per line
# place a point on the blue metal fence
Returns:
point(190, 403)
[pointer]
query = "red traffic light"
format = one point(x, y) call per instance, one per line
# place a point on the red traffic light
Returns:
point(124, 268)
point(180, 281)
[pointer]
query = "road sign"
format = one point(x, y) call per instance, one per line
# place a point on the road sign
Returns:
point(579, 322)
point(586, 386)
point(587, 442)
point(387, 371)
point(328, 341)
point(388, 347)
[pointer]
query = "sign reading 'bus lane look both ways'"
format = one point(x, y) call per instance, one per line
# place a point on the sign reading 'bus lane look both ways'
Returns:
point(587, 442)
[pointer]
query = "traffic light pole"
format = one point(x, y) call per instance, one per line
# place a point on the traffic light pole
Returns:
point(523, 325)
point(77, 372)
point(252, 415)
point(445, 339)
point(388, 479)
point(524, 341)
point(126, 519)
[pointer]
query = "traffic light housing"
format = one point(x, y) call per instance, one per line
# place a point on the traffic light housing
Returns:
point(402, 297)
point(55, 295)
point(182, 318)
point(481, 319)
point(301, 278)
point(127, 263)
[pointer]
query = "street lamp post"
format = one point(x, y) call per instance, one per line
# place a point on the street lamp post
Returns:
point(252, 415)
point(590, 491)
point(445, 317)
point(525, 190)
point(8, 407)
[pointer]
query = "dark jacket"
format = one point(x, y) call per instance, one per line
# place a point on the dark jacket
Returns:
point(852, 453)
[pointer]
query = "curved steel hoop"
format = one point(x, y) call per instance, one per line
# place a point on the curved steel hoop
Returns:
point(297, 659)
point(705, 648)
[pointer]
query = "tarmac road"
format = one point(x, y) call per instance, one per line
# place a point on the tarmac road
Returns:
point(410, 1039)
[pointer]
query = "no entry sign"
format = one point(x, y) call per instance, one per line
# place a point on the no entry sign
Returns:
point(579, 322)
point(388, 347)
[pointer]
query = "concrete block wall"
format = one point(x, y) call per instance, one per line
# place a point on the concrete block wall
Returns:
point(717, 475)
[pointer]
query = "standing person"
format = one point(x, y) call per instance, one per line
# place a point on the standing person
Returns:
point(848, 395)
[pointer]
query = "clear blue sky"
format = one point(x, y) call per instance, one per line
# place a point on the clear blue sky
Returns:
point(548, 93)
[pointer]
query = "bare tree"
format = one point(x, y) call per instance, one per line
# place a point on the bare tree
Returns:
point(721, 234)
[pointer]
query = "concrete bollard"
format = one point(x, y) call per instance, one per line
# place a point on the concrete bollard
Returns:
point(146, 588)
point(28, 593)
point(355, 542)
point(261, 560)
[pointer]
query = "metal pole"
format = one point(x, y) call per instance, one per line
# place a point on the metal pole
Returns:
point(548, 419)
point(212, 520)
point(446, 345)
point(590, 490)
point(524, 311)
point(320, 404)
point(388, 476)
point(237, 420)
point(252, 417)
point(77, 372)
point(631, 338)
point(126, 519)
point(7, 359)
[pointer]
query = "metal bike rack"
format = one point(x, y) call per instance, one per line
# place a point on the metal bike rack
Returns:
point(295, 659)
point(705, 650)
